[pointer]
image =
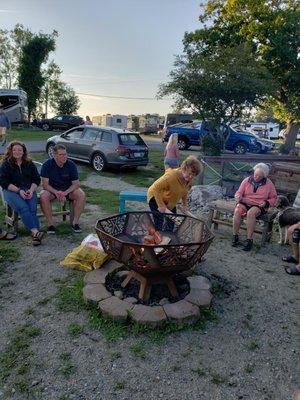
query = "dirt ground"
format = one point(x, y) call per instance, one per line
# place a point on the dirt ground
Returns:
point(250, 352)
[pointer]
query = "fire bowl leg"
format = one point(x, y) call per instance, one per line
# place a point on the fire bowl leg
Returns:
point(146, 284)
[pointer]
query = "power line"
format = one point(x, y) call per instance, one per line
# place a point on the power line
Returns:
point(121, 97)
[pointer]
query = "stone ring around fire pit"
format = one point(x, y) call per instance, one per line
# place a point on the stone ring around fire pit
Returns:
point(177, 246)
point(186, 310)
point(154, 255)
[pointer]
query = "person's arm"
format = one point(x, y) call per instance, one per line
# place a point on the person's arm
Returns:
point(176, 151)
point(159, 187)
point(241, 191)
point(47, 186)
point(292, 228)
point(75, 185)
point(272, 199)
point(5, 177)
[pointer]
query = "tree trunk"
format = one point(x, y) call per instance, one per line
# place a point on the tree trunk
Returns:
point(291, 136)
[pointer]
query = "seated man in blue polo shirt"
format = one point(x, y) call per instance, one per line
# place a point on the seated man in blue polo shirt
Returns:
point(60, 182)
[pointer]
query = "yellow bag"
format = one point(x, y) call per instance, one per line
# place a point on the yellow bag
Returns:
point(84, 258)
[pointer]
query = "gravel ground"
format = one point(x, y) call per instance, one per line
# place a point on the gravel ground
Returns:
point(250, 352)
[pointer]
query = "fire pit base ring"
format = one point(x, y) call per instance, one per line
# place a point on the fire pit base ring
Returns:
point(186, 310)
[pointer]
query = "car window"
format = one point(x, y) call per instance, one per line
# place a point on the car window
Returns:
point(91, 134)
point(106, 136)
point(58, 118)
point(130, 139)
point(75, 134)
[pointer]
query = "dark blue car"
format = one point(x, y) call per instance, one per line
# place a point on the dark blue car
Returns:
point(239, 141)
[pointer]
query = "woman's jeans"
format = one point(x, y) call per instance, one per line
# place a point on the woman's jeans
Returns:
point(27, 209)
point(161, 222)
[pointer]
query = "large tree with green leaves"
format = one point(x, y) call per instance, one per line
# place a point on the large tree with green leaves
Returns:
point(272, 30)
point(66, 100)
point(220, 86)
point(33, 55)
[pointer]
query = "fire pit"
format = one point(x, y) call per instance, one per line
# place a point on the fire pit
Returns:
point(184, 241)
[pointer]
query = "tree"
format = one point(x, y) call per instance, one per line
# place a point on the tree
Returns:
point(11, 43)
point(219, 86)
point(67, 102)
point(272, 30)
point(33, 55)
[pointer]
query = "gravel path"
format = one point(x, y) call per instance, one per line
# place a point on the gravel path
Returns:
point(249, 353)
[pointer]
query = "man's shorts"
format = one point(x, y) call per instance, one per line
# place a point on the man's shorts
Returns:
point(296, 236)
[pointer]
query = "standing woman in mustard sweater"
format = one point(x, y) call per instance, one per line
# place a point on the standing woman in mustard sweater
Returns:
point(171, 188)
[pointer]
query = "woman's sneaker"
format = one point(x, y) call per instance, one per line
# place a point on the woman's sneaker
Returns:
point(76, 228)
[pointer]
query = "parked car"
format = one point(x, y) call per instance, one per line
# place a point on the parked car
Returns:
point(235, 140)
point(102, 147)
point(61, 122)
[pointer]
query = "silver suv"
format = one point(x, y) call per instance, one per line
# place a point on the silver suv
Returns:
point(102, 146)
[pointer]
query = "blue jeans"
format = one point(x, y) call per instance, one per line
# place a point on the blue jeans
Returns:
point(25, 208)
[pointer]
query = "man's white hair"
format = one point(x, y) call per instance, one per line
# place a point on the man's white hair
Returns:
point(263, 167)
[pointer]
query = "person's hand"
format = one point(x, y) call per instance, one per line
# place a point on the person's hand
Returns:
point(22, 194)
point(60, 196)
point(28, 194)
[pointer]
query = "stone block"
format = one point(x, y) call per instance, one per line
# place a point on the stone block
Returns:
point(111, 266)
point(148, 315)
point(201, 298)
point(117, 309)
point(182, 311)
point(199, 282)
point(201, 195)
point(131, 300)
point(95, 292)
point(95, 276)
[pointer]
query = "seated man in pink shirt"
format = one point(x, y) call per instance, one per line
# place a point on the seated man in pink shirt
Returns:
point(254, 196)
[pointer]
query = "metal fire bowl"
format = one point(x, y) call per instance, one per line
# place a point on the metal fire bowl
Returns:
point(121, 237)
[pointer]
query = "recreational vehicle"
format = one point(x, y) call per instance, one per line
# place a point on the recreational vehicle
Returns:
point(14, 103)
point(268, 130)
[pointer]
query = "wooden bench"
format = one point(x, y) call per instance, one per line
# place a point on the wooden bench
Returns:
point(219, 208)
point(12, 217)
point(129, 195)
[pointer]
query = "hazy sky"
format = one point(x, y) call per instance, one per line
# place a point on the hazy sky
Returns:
point(121, 48)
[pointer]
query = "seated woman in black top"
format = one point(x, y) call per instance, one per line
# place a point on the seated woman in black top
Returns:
point(19, 179)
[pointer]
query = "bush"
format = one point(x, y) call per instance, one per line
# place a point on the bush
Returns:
point(211, 146)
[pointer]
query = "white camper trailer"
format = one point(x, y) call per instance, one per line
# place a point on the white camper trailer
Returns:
point(268, 130)
point(116, 121)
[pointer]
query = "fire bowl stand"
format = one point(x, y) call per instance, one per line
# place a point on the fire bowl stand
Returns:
point(147, 282)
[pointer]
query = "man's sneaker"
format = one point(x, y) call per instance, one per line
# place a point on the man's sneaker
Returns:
point(248, 245)
point(235, 240)
point(51, 230)
point(76, 228)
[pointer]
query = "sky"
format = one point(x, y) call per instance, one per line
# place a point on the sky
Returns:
point(116, 48)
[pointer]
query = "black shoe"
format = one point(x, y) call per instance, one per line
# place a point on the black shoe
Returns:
point(248, 245)
point(76, 228)
point(51, 230)
point(235, 240)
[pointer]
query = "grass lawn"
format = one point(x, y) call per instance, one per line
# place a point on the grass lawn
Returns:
point(28, 134)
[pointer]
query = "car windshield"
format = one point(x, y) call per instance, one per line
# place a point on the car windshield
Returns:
point(130, 139)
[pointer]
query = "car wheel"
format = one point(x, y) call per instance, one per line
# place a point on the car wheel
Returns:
point(46, 127)
point(50, 150)
point(98, 162)
point(182, 144)
point(240, 148)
